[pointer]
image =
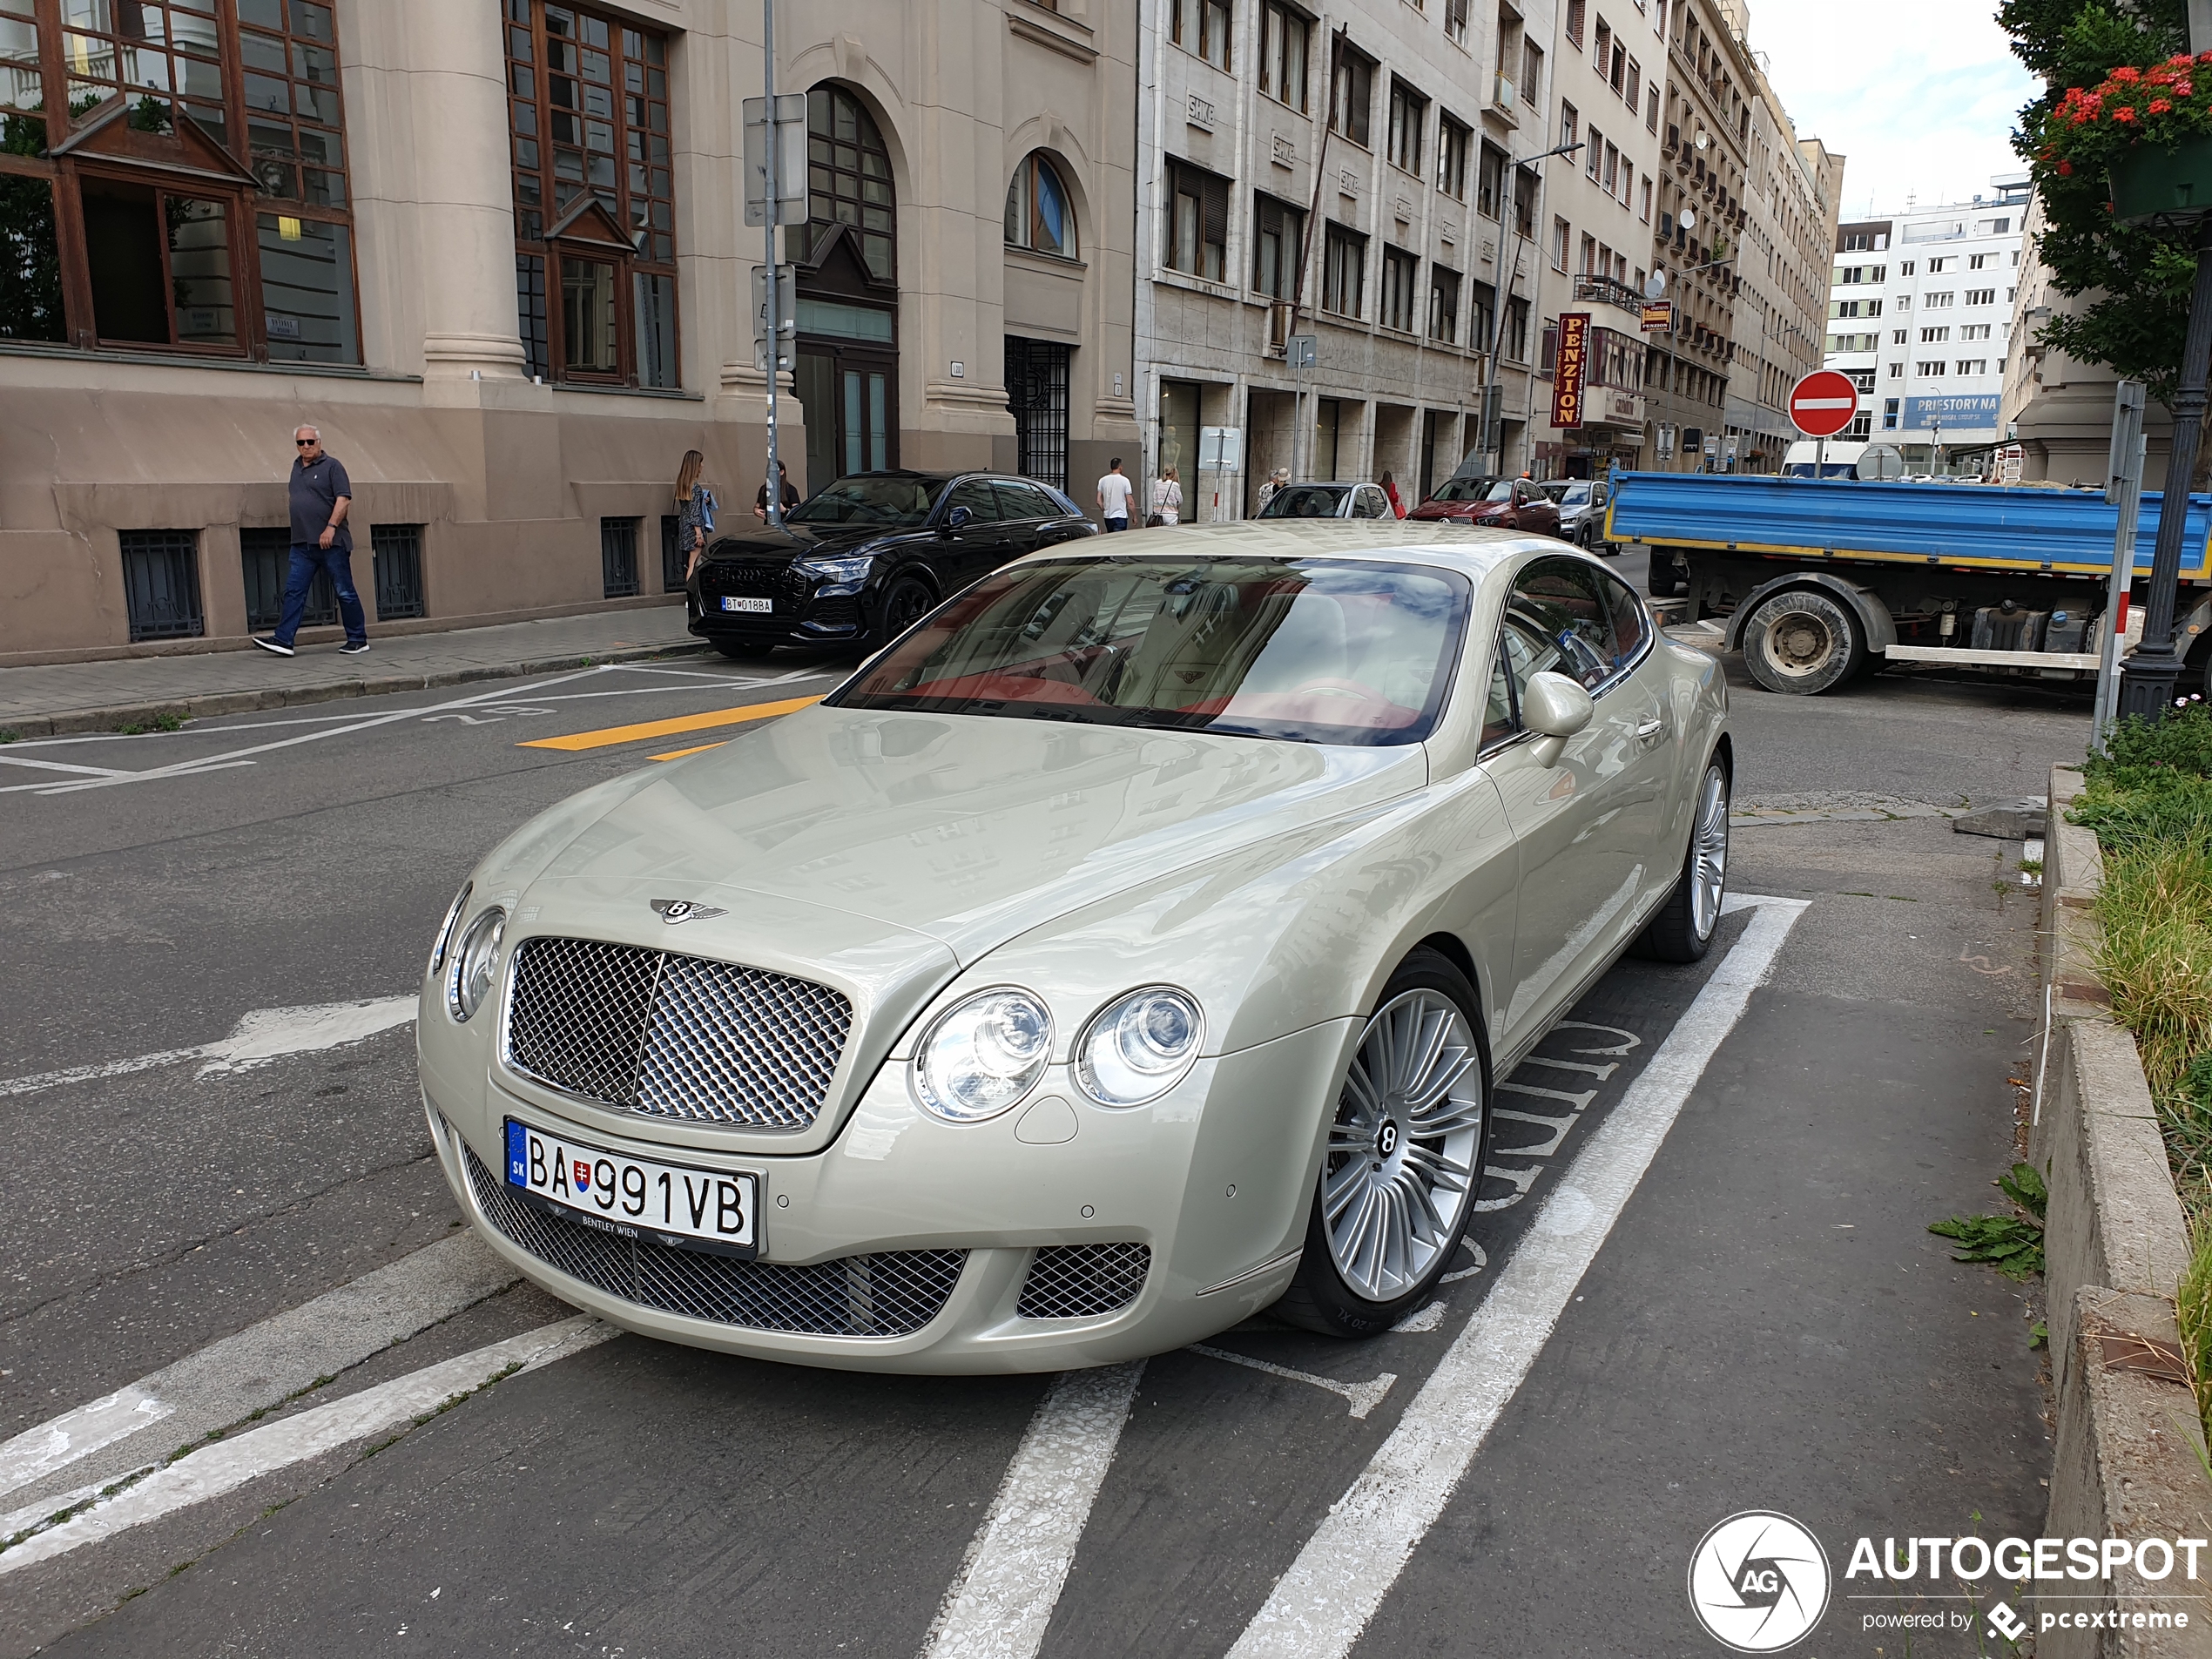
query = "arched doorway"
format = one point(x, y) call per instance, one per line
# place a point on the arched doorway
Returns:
point(848, 292)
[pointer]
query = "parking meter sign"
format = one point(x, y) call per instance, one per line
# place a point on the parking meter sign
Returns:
point(1824, 403)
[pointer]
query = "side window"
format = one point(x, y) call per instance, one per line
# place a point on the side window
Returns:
point(1631, 622)
point(1022, 504)
point(976, 495)
point(1373, 504)
point(1558, 603)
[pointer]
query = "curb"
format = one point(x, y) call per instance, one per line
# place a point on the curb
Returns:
point(285, 697)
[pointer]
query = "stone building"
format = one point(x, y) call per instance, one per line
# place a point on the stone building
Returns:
point(492, 249)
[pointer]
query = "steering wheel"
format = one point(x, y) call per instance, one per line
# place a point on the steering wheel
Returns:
point(1352, 689)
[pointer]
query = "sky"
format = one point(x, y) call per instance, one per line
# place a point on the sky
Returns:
point(1919, 96)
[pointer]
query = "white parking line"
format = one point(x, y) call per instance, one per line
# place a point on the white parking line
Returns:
point(1361, 1397)
point(1318, 1609)
point(257, 1038)
point(227, 1464)
point(1002, 1597)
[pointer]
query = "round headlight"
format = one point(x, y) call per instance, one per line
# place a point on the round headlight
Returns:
point(982, 1055)
point(443, 943)
point(1138, 1048)
point(470, 980)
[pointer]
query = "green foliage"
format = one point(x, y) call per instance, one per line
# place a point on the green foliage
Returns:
point(2193, 1313)
point(2136, 282)
point(2023, 1185)
point(2011, 1244)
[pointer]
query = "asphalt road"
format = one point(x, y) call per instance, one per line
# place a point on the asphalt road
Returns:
point(1765, 1323)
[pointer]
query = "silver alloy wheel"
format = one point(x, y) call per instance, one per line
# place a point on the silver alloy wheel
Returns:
point(1708, 852)
point(1400, 1163)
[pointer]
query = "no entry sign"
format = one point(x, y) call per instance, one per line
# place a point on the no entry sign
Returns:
point(1823, 403)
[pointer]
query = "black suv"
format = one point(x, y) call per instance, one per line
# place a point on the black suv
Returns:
point(869, 555)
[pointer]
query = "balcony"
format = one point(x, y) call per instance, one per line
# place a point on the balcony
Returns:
point(1606, 291)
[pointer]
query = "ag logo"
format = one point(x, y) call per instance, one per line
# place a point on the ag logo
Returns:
point(1758, 1582)
point(673, 911)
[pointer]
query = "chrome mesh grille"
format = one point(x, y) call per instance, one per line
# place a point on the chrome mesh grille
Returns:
point(1080, 1281)
point(890, 1293)
point(674, 1036)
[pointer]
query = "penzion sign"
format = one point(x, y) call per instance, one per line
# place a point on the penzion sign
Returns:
point(1571, 369)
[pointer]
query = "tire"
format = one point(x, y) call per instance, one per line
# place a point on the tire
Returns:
point(1802, 642)
point(1358, 1279)
point(905, 602)
point(745, 650)
point(1662, 581)
point(1683, 930)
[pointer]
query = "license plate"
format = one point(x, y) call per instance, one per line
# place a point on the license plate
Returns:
point(714, 1210)
point(755, 607)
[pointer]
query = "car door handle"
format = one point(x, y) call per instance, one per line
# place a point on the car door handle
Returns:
point(1654, 727)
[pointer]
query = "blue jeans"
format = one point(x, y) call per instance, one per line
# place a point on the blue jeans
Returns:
point(306, 559)
point(1110, 525)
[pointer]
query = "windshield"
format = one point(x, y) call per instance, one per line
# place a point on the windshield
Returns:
point(1306, 501)
point(894, 498)
point(1570, 495)
point(1474, 489)
point(1314, 650)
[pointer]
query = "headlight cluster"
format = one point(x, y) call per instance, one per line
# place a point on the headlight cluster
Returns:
point(853, 568)
point(468, 977)
point(983, 1055)
point(443, 943)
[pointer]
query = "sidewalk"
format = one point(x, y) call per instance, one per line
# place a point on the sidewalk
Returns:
point(52, 699)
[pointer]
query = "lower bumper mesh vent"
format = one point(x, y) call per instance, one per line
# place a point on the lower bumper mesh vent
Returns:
point(891, 1294)
point(1081, 1281)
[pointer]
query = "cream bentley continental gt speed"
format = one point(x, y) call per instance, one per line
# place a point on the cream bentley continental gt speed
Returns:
point(1128, 948)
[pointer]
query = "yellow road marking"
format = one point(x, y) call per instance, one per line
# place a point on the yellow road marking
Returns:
point(610, 735)
point(677, 754)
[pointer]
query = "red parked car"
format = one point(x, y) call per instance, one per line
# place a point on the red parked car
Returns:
point(1508, 503)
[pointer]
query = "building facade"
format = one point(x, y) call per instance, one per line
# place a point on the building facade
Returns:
point(1349, 175)
point(492, 249)
point(1920, 315)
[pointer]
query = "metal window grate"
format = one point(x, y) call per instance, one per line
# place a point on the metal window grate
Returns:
point(889, 1294)
point(398, 552)
point(264, 559)
point(672, 556)
point(1037, 394)
point(529, 304)
point(1081, 1281)
point(161, 584)
point(674, 1036)
point(618, 556)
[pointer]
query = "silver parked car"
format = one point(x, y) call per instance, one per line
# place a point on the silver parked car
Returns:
point(1128, 947)
point(1581, 513)
point(1328, 501)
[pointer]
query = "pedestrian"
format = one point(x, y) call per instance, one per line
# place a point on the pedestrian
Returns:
point(1114, 494)
point(695, 507)
point(761, 497)
point(1167, 498)
point(321, 494)
point(1276, 480)
point(1390, 489)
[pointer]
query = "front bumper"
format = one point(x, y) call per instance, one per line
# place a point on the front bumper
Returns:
point(1213, 1181)
point(808, 610)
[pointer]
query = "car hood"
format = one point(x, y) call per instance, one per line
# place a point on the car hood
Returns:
point(891, 831)
point(800, 541)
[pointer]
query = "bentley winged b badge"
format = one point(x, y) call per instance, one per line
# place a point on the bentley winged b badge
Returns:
point(673, 911)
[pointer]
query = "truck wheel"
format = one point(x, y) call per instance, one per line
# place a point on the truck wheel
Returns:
point(1802, 642)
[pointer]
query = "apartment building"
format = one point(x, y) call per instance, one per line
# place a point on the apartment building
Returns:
point(1795, 192)
point(1597, 209)
point(1920, 315)
point(1349, 174)
point(492, 249)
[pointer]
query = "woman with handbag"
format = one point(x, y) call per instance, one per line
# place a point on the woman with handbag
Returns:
point(1167, 498)
point(694, 511)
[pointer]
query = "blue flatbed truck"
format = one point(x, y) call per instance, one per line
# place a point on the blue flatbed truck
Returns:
point(1824, 580)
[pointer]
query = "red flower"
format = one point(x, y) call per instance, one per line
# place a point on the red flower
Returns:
point(2182, 89)
point(2126, 75)
point(2204, 58)
point(2123, 113)
point(2180, 60)
point(2066, 169)
point(2160, 107)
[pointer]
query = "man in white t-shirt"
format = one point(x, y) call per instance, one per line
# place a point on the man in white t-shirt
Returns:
point(1114, 494)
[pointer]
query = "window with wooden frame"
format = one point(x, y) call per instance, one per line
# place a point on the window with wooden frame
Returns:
point(1278, 240)
point(1344, 271)
point(1453, 139)
point(1040, 215)
point(1201, 27)
point(1285, 38)
point(1197, 226)
point(173, 177)
point(1400, 272)
point(595, 198)
point(1408, 116)
point(1352, 96)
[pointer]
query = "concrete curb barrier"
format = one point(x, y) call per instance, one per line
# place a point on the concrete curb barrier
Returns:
point(286, 696)
point(2115, 1245)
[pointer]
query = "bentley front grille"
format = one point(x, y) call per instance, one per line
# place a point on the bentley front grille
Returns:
point(890, 1293)
point(1081, 1281)
point(674, 1036)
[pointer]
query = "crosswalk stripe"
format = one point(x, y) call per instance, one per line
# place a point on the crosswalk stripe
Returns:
point(609, 736)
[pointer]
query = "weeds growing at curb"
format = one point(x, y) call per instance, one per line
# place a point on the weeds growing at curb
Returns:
point(2011, 1244)
point(2193, 1313)
point(9, 734)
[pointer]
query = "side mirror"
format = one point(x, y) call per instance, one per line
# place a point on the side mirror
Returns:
point(1555, 708)
point(957, 519)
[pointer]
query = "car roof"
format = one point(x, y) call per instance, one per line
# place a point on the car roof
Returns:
point(1473, 551)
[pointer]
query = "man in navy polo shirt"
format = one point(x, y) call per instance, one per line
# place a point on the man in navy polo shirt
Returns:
point(321, 494)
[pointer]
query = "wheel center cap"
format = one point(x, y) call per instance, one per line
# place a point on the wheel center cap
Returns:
point(1386, 1142)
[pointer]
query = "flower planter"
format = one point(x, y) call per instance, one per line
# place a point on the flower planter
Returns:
point(2156, 181)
